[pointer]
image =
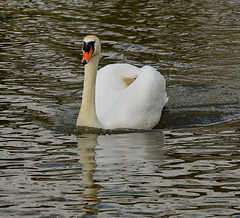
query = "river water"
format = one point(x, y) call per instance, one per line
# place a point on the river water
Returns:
point(189, 165)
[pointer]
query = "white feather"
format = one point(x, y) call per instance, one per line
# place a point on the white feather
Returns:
point(138, 105)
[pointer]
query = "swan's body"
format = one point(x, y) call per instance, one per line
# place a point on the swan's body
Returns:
point(120, 95)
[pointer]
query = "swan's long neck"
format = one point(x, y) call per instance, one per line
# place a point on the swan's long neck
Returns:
point(87, 115)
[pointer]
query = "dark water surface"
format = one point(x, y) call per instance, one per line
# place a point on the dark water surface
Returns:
point(189, 166)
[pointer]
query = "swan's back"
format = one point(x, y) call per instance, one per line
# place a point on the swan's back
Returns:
point(129, 97)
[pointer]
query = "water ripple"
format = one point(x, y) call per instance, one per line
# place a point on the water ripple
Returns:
point(50, 169)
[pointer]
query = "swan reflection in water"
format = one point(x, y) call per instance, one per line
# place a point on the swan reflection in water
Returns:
point(87, 158)
point(117, 153)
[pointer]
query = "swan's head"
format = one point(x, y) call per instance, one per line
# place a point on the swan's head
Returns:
point(91, 47)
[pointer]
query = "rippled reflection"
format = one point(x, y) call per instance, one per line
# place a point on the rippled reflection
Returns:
point(104, 153)
point(87, 155)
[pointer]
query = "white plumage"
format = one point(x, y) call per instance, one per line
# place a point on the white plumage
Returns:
point(124, 96)
point(138, 105)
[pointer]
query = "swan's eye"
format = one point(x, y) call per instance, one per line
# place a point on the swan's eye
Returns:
point(88, 45)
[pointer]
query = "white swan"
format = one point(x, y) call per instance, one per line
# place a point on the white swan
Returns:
point(119, 95)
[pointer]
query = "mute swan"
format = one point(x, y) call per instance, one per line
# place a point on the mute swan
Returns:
point(119, 95)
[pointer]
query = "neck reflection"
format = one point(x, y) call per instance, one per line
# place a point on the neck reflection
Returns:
point(87, 158)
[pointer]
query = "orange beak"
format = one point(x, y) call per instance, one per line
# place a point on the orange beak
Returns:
point(87, 56)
